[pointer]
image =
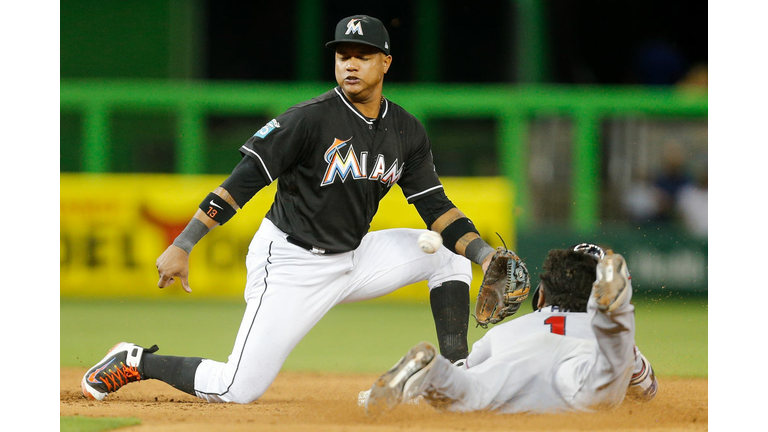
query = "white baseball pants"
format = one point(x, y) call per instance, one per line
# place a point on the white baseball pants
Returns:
point(289, 289)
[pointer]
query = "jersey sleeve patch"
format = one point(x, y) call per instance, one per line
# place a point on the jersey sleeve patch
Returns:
point(269, 127)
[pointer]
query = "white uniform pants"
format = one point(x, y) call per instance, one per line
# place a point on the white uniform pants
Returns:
point(289, 290)
point(544, 372)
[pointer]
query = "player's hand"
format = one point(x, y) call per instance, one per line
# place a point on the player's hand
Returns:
point(487, 261)
point(505, 285)
point(173, 263)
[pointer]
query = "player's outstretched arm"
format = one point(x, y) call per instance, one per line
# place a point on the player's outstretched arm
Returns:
point(458, 232)
point(459, 235)
point(216, 209)
point(174, 261)
point(506, 282)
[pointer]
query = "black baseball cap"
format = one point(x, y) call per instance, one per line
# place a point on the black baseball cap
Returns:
point(361, 29)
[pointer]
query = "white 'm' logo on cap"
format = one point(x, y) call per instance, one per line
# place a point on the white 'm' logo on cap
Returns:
point(354, 26)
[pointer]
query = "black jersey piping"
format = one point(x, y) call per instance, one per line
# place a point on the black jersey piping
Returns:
point(260, 160)
point(344, 99)
point(261, 299)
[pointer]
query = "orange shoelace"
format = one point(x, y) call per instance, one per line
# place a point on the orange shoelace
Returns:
point(120, 376)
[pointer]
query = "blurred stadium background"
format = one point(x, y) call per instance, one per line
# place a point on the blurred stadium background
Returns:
point(552, 122)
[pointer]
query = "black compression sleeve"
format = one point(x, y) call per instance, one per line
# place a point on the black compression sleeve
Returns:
point(455, 231)
point(432, 207)
point(244, 182)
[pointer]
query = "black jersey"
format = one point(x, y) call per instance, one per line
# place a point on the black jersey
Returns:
point(335, 165)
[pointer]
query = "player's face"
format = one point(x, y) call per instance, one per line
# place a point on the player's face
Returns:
point(360, 70)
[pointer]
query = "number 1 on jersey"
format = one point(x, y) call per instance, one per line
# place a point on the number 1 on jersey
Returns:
point(556, 324)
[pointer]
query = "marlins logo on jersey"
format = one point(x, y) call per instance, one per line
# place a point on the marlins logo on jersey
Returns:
point(357, 166)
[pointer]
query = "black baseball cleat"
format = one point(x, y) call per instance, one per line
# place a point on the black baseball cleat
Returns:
point(401, 383)
point(119, 367)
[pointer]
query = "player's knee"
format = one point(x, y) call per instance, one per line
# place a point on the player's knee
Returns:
point(246, 399)
point(247, 396)
point(245, 390)
point(236, 397)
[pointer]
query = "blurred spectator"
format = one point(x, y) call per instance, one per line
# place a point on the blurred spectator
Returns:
point(654, 201)
point(697, 77)
point(671, 180)
point(643, 201)
point(657, 62)
point(692, 204)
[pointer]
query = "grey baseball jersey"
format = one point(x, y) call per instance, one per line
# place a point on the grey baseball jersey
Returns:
point(543, 362)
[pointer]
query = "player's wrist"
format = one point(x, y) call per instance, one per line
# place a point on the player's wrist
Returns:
point(194, 231)
point(478, 251)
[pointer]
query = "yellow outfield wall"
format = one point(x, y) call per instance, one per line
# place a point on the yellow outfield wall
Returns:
point(114, 226)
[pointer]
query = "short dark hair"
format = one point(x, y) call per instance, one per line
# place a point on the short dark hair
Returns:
point(567, 279)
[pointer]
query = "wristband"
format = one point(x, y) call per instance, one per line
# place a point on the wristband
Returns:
point(192, 234)
point(456, 230)
point(217, 208)
point(477, 250)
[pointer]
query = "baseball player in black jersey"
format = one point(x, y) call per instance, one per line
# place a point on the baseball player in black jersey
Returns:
point(335, 156)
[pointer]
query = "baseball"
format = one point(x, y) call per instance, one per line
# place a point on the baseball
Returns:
point(430, 241)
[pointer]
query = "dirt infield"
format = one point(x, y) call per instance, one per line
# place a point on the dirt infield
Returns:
point(328, 402)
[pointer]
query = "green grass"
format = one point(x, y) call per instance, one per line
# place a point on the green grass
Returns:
point(673, 335)
point(90, 424)
point(363, 337)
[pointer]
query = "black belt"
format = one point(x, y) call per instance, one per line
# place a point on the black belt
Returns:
point(304, 245)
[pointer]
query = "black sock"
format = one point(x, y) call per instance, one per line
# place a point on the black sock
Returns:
point(450, 308)
point(176, 371)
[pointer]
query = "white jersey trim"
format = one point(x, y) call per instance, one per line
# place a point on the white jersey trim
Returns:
point(386, 107)
point(260, 160)
point(423, 192)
